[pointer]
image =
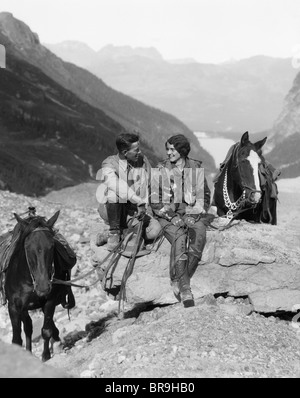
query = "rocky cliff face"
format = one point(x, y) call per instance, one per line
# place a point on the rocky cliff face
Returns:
point(17, 32)
point(49, 138)
point(288, 122)
point(285, 135)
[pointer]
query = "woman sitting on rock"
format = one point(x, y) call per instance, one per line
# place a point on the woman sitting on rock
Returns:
point(180, 196)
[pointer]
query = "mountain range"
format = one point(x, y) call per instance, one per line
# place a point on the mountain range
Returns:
point(234, 96)
point(58, 121)
point(260, 94)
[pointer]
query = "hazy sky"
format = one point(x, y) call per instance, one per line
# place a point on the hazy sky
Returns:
point(206, 30)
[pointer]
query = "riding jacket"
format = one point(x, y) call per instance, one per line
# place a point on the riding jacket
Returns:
point(179, 192)
point(121, 181)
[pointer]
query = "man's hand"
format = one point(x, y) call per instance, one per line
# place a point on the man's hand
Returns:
point(141, 211)
point(177, 221)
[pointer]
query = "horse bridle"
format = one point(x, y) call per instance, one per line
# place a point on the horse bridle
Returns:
point(232, 206)
point(28, 262)
point(240, 202)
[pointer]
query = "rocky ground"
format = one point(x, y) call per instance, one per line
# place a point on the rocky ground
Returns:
point(216, 338)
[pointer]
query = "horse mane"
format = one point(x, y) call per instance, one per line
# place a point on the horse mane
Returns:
point(35, 222)
point(22, 230)
point(12, 242)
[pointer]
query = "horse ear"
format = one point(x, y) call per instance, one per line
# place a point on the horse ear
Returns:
point(259, 144)
point(245, 138)
point(53, 219)
point(19, 219)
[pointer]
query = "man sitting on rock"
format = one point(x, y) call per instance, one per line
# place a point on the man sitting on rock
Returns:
point(124, 189)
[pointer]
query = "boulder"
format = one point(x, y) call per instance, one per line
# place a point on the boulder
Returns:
point(16, 362)
point(259, 261)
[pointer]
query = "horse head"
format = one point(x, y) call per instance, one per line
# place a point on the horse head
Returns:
point(37, 237)
point(248, 159)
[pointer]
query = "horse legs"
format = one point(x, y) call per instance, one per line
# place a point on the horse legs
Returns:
point(15, 318)
point(55, 332)
point(49, 330)
point(27, 325)
point(55, 339)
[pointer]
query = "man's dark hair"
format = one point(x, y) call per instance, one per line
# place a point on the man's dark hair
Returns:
point(181, 144)
point(125, 140)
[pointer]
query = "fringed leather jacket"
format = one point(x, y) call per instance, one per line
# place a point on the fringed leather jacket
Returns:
point(179, 192)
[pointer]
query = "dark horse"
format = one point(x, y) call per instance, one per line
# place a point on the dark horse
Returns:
point(28, 280)
point(245, 186)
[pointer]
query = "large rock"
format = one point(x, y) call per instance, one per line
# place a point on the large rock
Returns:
point(15, 362)
point(260, 261)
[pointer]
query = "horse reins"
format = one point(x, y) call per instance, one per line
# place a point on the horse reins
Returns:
point(238, 205)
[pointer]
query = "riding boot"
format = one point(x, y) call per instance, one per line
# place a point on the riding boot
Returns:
point(193, 264)
point(197, 242)
point(184, 283)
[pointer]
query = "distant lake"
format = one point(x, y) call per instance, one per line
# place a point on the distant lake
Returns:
point(216, 146)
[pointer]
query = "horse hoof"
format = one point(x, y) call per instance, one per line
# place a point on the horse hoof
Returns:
point(46, 358)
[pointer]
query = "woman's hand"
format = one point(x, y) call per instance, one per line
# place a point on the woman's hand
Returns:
point(189, 221)
point(177, 221)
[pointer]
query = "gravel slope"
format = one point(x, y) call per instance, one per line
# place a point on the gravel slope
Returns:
point(216, 338)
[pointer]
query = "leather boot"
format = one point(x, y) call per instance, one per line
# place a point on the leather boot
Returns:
point(184, 283)
point(192, 265)
point(112, 241)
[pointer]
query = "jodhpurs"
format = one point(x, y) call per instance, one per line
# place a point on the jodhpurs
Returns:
point(186, 244)
point(115, 214)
